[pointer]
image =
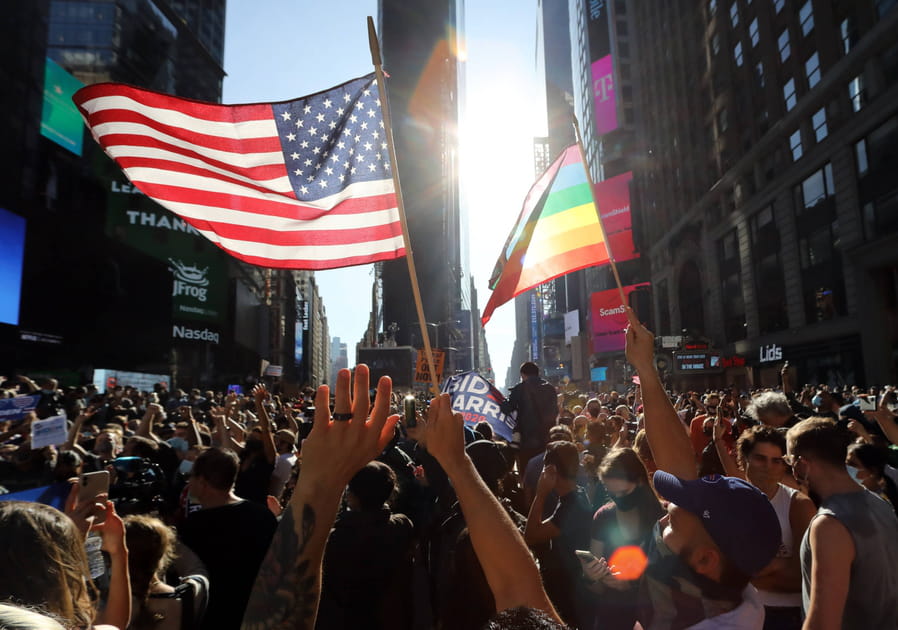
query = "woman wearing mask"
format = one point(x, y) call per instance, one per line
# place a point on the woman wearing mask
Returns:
point(625, 521)
point(866, 463)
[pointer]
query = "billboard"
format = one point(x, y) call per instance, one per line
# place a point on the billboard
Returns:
point(397, 363)
point(608, 319)
point(603, 95)
point(12, 255)
point(613, 199)
point(60, 120)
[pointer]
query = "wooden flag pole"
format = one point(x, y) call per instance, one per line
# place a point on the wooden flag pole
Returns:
point(592, 194)
point(388, 130)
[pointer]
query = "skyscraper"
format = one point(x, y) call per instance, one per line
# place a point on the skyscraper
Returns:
point(419, 44)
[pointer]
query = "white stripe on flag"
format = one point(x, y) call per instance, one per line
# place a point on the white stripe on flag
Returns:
point(316, 252)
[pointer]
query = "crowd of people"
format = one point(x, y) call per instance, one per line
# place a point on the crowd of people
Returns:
point(647, 509)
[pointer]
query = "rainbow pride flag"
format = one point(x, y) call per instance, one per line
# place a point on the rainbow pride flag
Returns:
point(557, 232)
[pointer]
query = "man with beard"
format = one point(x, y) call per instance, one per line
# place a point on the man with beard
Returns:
point(850, 550)
point(718, 531)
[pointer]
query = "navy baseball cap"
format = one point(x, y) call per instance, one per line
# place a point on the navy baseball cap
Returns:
point(738, 517)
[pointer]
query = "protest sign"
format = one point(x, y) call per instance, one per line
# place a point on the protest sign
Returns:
point(17, 408)
point(477, 399)
point(49, 432)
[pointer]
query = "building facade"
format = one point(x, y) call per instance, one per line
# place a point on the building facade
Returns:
point(767, 193)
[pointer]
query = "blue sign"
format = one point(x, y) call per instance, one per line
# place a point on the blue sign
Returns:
point(54, 495)
point(476, 399)
point(598, 374)
point(18, 407)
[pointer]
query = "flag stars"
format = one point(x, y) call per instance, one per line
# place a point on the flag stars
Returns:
point(335, 158)
point(322, 183)
point(341, 145)
point(304, 144)
point(299, 123)
point(286, 115)
point(346, 98)
point(307, 109)
point(352, 171)
point(298, 172)
point(313, 131)
point(332, 125)
point(371, 167)
point(342, 177)
point(304, 190)
point(316, 150)
point(308, 162)
point(318, 166)
point(371, 113)
point(375, 134)
point(291, 137)
point(319, 117)
point(381, 124)
point(367, 92)
point(353, 118)
point(340, 111)
point(294, 156)
point(310, 178)
point(346, 164)
point(368, 146)
point(329, 170)
point(327, 103)
point(358, 138)
point(364, 125)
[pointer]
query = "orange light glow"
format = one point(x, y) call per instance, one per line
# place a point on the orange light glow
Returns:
point(628, 563)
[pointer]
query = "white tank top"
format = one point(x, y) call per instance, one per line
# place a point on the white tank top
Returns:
point(782, 502)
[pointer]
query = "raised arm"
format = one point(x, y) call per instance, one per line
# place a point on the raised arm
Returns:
point(287, 588)
point(886, 421)
point(507, 563)
point(260, 393)
point(145, 428)
point(729, 462)
point(193, 431)
point(666, 435)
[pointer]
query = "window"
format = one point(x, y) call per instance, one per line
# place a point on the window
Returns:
point(759, 75)
point(812, 70)
point(783, 42)
point(818, 120)
point(624, 49)
point(737, 53)
point(815, 189)
point(622, 28)
point(860, 154)
point(733, 301)
point(770, 289)
point(848, 31)
point(856, 92)
point(789, 94)
point(753, 32)
point(806, 18)
point(795, 145)
point(715, 43)
point(712, 8)
point(734, 14)
point(778, 5)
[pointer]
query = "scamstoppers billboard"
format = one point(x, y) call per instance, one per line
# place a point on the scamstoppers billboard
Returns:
point(613, 199)
point(608, 318)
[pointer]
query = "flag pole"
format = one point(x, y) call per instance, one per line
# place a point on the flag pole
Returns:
point(388, 131)
point(592, 194)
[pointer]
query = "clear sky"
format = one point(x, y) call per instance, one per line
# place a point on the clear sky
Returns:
point(282, 49)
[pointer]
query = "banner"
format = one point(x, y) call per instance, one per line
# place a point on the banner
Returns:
point(141, 381)
point(54, 495)
point(477, 399)
point(49, 432)
point(18, 407)
point(608, 318)
point(613, 199)
point(422, 373)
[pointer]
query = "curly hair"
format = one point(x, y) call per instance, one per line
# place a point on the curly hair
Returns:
point(45, 563)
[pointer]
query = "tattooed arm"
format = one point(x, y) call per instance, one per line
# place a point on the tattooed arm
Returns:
point(287, 588)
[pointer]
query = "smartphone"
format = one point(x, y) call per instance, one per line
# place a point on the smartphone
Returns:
point(408, 404)
point(92, 484)
point(867, 404)
point(586, 556)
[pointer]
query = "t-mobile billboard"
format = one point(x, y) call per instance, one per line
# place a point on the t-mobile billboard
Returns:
point(603, 95)
point(613, 198)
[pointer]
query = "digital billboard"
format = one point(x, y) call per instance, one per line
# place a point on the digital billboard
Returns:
point(608, 318)
point(603, 95)
point(12, 254)
point(60, 120)
point(613, 198)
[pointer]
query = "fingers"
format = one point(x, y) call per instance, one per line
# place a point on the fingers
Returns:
point(342, 402)
point(361, 398)
point(322, 408)
point(631, 317)
point(382, 424)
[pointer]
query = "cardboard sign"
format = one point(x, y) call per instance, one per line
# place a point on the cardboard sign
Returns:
point(422, 374)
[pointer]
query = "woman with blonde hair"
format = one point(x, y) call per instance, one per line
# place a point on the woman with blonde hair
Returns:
point(45, 565)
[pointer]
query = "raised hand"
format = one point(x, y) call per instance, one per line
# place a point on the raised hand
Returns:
point(640, 343)
point(260, 394)
point(445, 433)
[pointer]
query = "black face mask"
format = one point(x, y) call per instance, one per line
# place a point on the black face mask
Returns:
point(630, 501)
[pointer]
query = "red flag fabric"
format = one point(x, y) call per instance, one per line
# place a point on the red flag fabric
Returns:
point(301, 184)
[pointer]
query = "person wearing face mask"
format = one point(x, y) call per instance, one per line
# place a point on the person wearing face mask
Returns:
point(866, 464)
point(850, 550)
point(626, 520)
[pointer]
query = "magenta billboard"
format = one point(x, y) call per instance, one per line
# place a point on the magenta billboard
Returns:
point(603, 95)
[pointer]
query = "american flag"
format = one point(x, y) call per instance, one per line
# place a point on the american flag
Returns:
point(302, 184)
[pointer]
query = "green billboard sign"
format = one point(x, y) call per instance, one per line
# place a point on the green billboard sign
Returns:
point(60, 120)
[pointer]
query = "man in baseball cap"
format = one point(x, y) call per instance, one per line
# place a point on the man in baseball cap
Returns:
point(718, 531)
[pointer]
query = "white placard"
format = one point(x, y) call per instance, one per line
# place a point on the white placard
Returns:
point(49, 432)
